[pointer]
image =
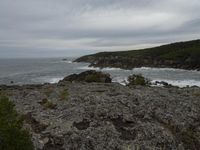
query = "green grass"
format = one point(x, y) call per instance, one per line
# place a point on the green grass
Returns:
point(12, 136)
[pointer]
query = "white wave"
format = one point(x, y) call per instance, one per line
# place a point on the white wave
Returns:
point(97, 68)
point(111, 69)
point(68, 61)
point(54, 80)
point(180, 83)
point(164, 69)
point(121, 80)
point(47, 79)
point(88, 68)
point(62, 61)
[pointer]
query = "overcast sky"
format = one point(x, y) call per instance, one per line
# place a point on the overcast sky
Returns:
point(47, 28)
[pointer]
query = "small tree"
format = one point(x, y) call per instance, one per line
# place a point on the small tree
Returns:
point(12, 136)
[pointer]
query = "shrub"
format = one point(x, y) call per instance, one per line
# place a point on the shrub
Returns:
point(12, 136)
point(64, 94)
point(137, 80)
point(47, 104)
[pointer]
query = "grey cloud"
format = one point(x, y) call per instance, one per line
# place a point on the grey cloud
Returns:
point(95, 24)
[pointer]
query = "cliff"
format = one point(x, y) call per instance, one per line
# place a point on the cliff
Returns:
point(184, 55)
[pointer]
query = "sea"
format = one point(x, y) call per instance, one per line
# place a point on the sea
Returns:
point(52, 70)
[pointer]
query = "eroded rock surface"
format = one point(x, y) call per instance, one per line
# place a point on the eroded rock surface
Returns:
point(109, 116)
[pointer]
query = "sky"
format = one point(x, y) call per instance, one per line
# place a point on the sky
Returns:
point(58, 28)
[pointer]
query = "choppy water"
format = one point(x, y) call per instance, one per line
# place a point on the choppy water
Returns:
point(51, 70)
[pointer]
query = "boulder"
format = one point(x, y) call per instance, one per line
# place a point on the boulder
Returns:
point(89, 76)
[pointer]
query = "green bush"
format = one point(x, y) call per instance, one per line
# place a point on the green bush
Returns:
point(12, 136)
point(137, 80)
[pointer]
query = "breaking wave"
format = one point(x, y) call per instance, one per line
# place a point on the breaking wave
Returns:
point(180, 83)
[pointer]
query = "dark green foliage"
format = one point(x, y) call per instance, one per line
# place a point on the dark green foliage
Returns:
point(185, 55)
point(137, 80)
point(170, 51)
point(12, 136)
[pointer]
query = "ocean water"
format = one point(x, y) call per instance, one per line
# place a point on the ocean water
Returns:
point(51, 70)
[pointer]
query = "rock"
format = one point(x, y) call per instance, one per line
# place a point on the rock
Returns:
point(54, 143)
point(89, 76)
point(36, 126)
point(161, 83)
point(183, 55)
point(99, 116)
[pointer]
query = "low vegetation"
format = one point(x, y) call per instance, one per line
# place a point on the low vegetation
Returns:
point(64, 94)
point(12, 136)
point(48, 91)
point(188, 136)
point(170, 51)
point(185, 55)
point(196, 93)
point(47, 104)
point(137, 80)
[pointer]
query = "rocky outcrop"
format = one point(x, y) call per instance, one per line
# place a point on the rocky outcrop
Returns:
point(183, 55)
point(88, 76)
point(130, 63)
point(96, 116)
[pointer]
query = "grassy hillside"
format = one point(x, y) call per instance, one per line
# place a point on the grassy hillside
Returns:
point(178, 55)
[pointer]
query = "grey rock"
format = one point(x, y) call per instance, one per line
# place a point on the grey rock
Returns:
point(98, 116)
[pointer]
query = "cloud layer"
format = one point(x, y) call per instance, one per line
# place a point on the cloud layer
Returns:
point(64, 25)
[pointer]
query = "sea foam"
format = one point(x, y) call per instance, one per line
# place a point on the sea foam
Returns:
point(180, 83)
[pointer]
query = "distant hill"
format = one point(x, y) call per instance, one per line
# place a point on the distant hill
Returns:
point(184, 55)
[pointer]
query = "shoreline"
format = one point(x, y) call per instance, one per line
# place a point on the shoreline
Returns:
point(59, 69)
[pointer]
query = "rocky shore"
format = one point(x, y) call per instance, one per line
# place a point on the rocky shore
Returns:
point(182, 55)
point(77, 115)
point(129, 63)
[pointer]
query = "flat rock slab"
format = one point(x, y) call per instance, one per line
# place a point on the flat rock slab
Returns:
point(109, 116)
